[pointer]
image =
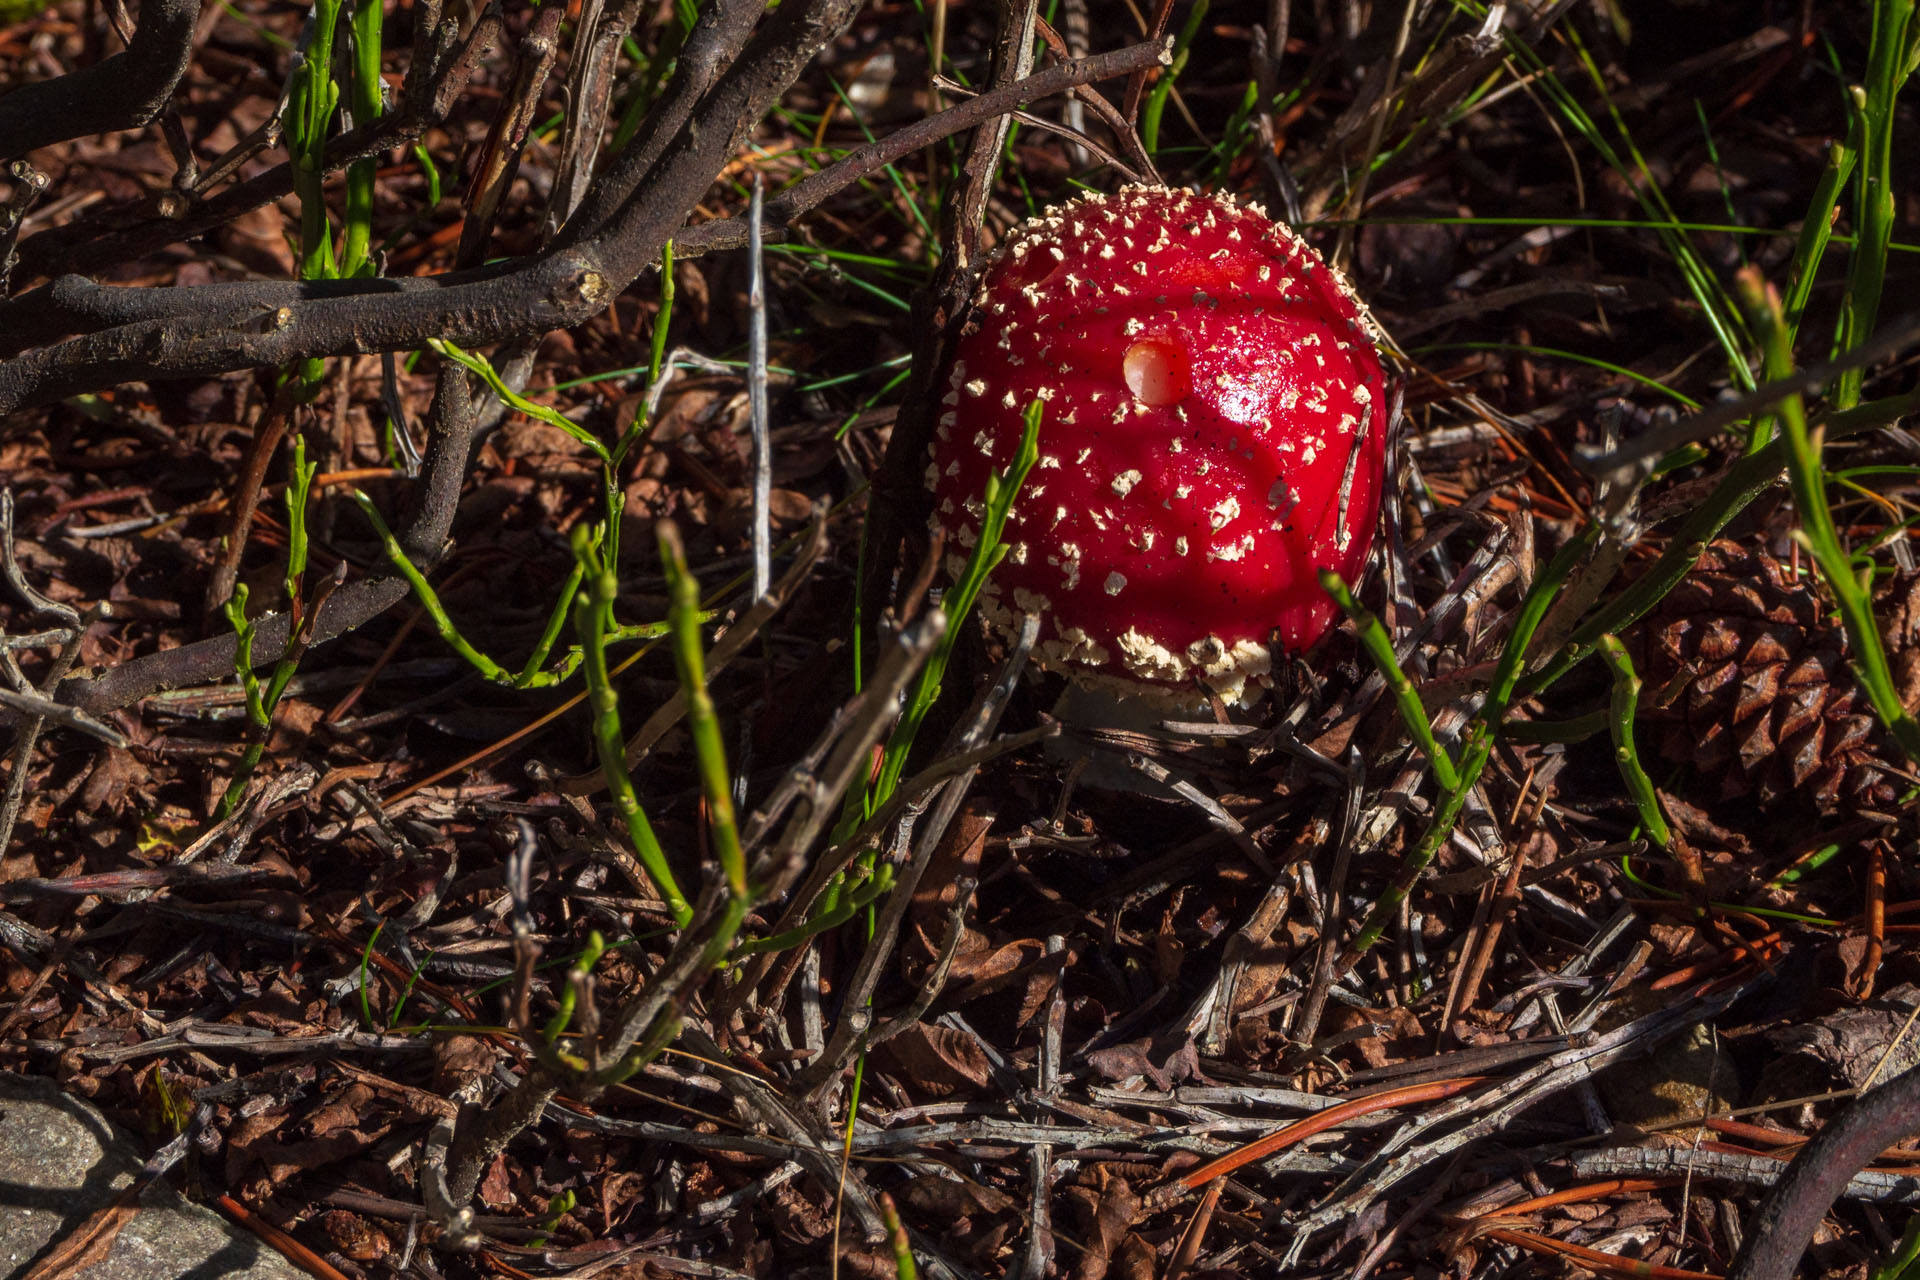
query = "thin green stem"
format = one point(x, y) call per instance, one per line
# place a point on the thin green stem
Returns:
point(1816, 232)
point(1379, 646)
point(530, 673)
point(1621, 709)
point(429, 599)
point(311, 104)
point(1481, 734)
point(1002, 488)
point(683, 617)
point(658, 354)
point(366, 100)
point(483, 368)
point(592, 620)
point(1889, 63)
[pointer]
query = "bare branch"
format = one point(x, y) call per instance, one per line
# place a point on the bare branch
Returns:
point(121, 92)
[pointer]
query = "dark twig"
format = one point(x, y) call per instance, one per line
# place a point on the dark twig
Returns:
point(121, 92)
point(1779, 1232)
point(275, 324)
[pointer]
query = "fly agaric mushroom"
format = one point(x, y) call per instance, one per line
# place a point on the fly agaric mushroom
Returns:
point(1213, 436)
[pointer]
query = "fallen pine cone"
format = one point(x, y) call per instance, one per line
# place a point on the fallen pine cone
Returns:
point(1747, 681)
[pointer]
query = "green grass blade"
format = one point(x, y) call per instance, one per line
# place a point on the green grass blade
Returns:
point(683, 616)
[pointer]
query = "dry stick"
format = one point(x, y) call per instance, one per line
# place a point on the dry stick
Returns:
point(499, 160)
point(107, 238)
point(1592, 1259)
point(34, 717)
point(39, 707)
point(1318, 1122)
point(1870, 1185)
point(590, 79)
point(820, 1156)
point(1137, 82)
point(557, 289)
point(757, 395)
point(1892, 340)
point(715, 44)
point(809, 193)
point(1038, 1258)
point(267, 435)
point(819, 1075)
point(237, 325)
point(1357, 197)
point(812, 791)
point(1397, 1158)
point(120, 92)
point(1082, 96)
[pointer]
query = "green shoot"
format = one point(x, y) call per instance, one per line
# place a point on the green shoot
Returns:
point(592, 621)
point(557, 1025)
point(903, 1264)
point(406, 992)
point(367, 105)
point(531, 675)
point(557, 1208)
point(1380, 647)
point(366, 972)
point(429, 600)
point(683, 617)
point(1890, 61)
point(658, 354)
point(846, 897)
point(1626, 699)
point(311, 103)
point(1817, 231)
point(483, 368)
point(263, 698)
point(1480, 737)
point(1769, 913)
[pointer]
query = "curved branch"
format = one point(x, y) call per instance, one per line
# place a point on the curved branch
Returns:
point(1783, 1226)
point(554, 291)
point(242, 324)
point(210, 661)
point(121, 92)
point(563, 287)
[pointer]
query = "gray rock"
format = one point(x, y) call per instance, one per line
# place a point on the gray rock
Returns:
point(60, 1160)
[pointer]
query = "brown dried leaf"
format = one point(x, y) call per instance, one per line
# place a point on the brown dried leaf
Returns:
point(1163, 1064)
point(939, 1061)
point(458, 1061)
point(1104, 1208)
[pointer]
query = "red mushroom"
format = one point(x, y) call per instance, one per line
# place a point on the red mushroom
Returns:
point(1214, 436)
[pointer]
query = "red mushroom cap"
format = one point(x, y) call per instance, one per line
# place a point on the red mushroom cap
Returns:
point(1214, 435)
